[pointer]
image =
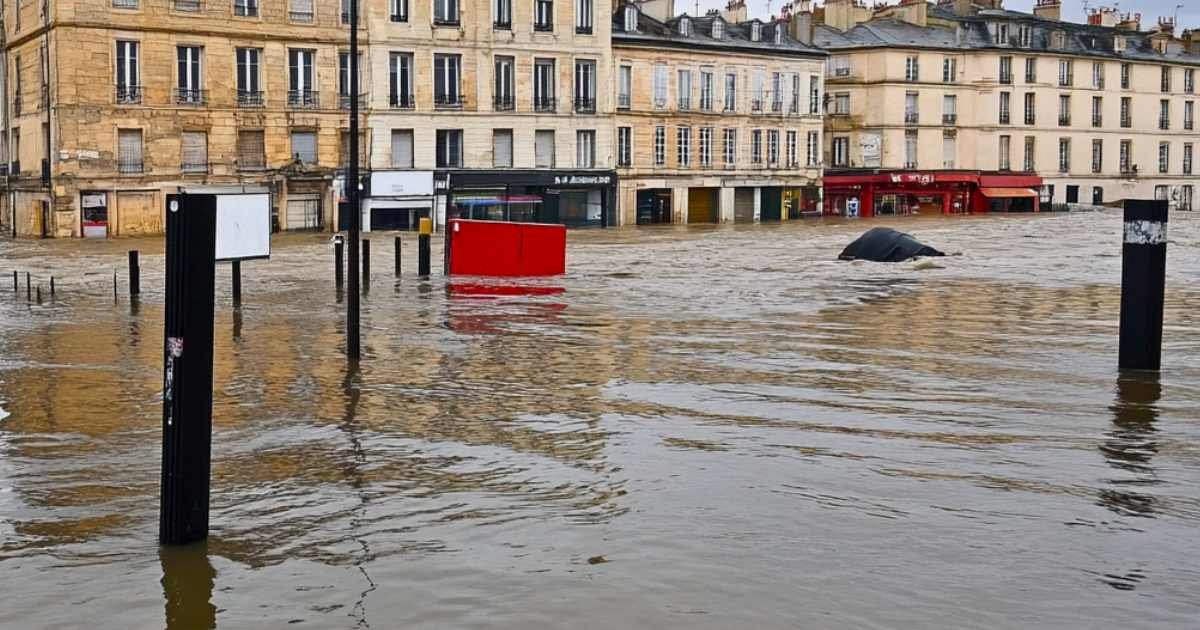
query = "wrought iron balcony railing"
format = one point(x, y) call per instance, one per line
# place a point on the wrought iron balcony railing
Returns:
point(249, 98)
point(304, 99)
point(186, 96)
point(129, 94)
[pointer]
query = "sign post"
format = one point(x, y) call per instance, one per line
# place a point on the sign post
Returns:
point(1143, 284)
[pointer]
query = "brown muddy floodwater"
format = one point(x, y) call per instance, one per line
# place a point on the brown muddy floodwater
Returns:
point(706, 428)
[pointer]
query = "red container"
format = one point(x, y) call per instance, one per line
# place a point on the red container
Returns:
point(500, 248)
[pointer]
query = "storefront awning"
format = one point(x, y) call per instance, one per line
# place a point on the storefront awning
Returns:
point(1008, 193)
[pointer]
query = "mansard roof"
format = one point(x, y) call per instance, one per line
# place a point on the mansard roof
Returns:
point(654, 33)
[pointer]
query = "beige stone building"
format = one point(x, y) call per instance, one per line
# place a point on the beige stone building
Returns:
point(1102, 111)
point(718, 117)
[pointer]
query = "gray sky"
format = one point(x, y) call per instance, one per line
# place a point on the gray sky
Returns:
point(1189, 14)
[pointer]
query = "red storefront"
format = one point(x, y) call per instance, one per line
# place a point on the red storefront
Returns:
point(868, 193)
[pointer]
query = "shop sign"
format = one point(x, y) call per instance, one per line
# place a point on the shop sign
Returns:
point(912, 178)
point(582, 180)
point(401, 183)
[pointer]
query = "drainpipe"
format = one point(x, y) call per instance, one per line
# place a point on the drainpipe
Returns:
point(48, 140)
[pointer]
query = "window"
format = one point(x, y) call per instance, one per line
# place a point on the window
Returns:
point(585, 87)
point(190, 90)
point(583, 17)
point(1162, 193)
point(730, 92)
point(757, 90)
point(683, 146)
point(1164, 157)
point(1005, 108)
point(912, 114)
point(400, 80)
point(245, 8)
point(1189, 81)
point(706, 90)
point(1187, 158)
point(129, 88)
point(300, 10)
point(706, 134)
point(1006, 76)
point(1058, 39)
point(910, 148)
point(718, 29)
point(631, 19)
point(1126, 71)
point(660, 86)
point(1005, 153)
point(585, 148)
point(399, 10)
point(1031, 70)
point(345, 91)
point(1030, 108)
point(1064, 110)
point(502, 14)
point(402, 148)
point(1002, 37)
point(445, 13)
point(624, 146)
point(1097, 156)
point(1185, 197)
point(795, 105)
point(776, 92)
point(683, 89)
point(755, 31)
point(1126, 117)
point(446, 77)
point(1025, 36)
point(839, 66)
point(1066, 72)
point(1189, 115)
point(449, 148)
point(730, 147)
point(503, 86)
point(660, 146)
point(1064, 155)
point(756, 148)
point(949, 148)
point(193, 152)
point(1098, 75)
point(841, 104)
point(791, 149)
point(502, 148)
point(1166, 79)
point(1126, 156)
point(624, 87)
point(912, 69)
point(251, 149)
point(249, 90)
point(685, 26)
point(304, 147)
point(344, 148)
point(949, 109)
point(1030, 161)
point(772, 147)
point(543, 85)
point(813, 148)
point(178, 5)
point(301, 75)
point(346, 5)
point(814, 94)
point(1164, 114)
point(543, 15)
point(543, 148)
point(841, 151)
point(129, 150)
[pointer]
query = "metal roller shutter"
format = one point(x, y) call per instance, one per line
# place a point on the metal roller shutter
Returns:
point(194, 150)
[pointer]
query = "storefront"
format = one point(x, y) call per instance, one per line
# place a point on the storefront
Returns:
point(654, 206)
point(572, 198)
point(872, 192)
point(398, 200)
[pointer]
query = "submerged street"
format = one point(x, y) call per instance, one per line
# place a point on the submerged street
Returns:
point(695, 427)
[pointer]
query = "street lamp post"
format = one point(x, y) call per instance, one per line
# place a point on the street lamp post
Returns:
point(353, 350)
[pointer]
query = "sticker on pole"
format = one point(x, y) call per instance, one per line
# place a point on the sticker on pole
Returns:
point(174, 351)
point(1145, 232)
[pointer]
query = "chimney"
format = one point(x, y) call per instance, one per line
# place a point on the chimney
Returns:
point(1130, 22)
point(800, 26)
point(1103, 16)
point(735, 12)
point(845, 14)
point(962, 8)
point(1166, 25)
point(1048, 9)
point(1191, 41)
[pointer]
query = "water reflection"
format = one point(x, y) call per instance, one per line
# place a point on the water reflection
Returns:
point(1130, 446)
point(187, 582)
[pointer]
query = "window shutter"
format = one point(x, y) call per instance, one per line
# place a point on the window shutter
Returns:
point(502, 148)
point(251, 151)
point(304, 146)
point(543, 148)
point(195, 148)
point(402, 149)
point(129, 146)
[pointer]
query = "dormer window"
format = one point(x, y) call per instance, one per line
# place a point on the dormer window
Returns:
point(1058, 40)
point(718, 29)
point(1001, 31)
point(778, 33)
point(1119, 44)
point(1025, 35)
point(755, 31)
point(631, 19)
point(685, 26)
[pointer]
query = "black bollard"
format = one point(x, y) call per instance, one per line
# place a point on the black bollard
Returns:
point(16, 281)
point(114, 285)
point(135, 273)
point(237, 283)
point(39, 294)
point(1143, 284)
point(28, 291)
point(51, 286)
point(398, 250)
point(188, 369)
point(366, 265)
point(339, 275)
point(423, 248)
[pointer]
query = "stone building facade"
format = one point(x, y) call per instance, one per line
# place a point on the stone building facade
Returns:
point(718, 118)
point(1102, 111)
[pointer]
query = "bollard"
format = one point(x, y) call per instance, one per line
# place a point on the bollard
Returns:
point(16, 281)
point(51, 286)
point(114, 285)
point(135, 273)
point(423, 248)
point(237, 283)
point(39, 294)
point(366, 264)
point(338, 273)
point(398, 250)
point(1143, 282)
point(28, 291)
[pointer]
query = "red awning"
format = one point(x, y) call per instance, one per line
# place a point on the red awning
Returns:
point(1008, 193)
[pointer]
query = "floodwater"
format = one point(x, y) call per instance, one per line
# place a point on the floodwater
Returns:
point(695, 428)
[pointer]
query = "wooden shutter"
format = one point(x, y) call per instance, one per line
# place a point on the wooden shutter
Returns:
point(402, 148)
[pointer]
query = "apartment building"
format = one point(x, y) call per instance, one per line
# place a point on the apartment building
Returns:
point(1100, 112)
point(718, 117)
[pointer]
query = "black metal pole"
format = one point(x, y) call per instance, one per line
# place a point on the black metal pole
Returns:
point(16, 281)
point(28, 291)
point(135, 273)
point(423, 248)
point(353, 350)
point(188, 368)
point(366, 265)
point(237, 283)
point(447, 245)
point(398, 250)
point(51, 286)
point(39, 294)
point(1143, 284)
point(339, 275)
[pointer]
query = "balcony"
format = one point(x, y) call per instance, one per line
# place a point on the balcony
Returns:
point(585, 105)
point(448, 101)
point(249, 99)
point(1064, 120)
point(583, 30)
point(543, 104)
point(127, 167)
point(543, 27)
point(194, 167)
point(1189, 125)
point(125, 4)
point(504, 103)
point(304, 17)
point(184, 96)
point(1006, 78)
point(684, 104)
point(949, 119)
point(502, 25)
point(190, 6)
point(129, 94)
point(304, 99)
point(1164, 123)
point(756, 106)
point(1126, 122)
point(401, 101)
point(446, 21)
point(776, 107)
point(1129, 170)
point(912, 118)
point(623, 101)
point(1097, 121)
point(1098, 83)
point(345, 100)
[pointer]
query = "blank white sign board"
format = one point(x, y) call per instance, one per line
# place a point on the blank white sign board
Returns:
point(243, 226)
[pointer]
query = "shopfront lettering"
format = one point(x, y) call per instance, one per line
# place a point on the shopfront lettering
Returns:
point(582, 180)
point(912, 178)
